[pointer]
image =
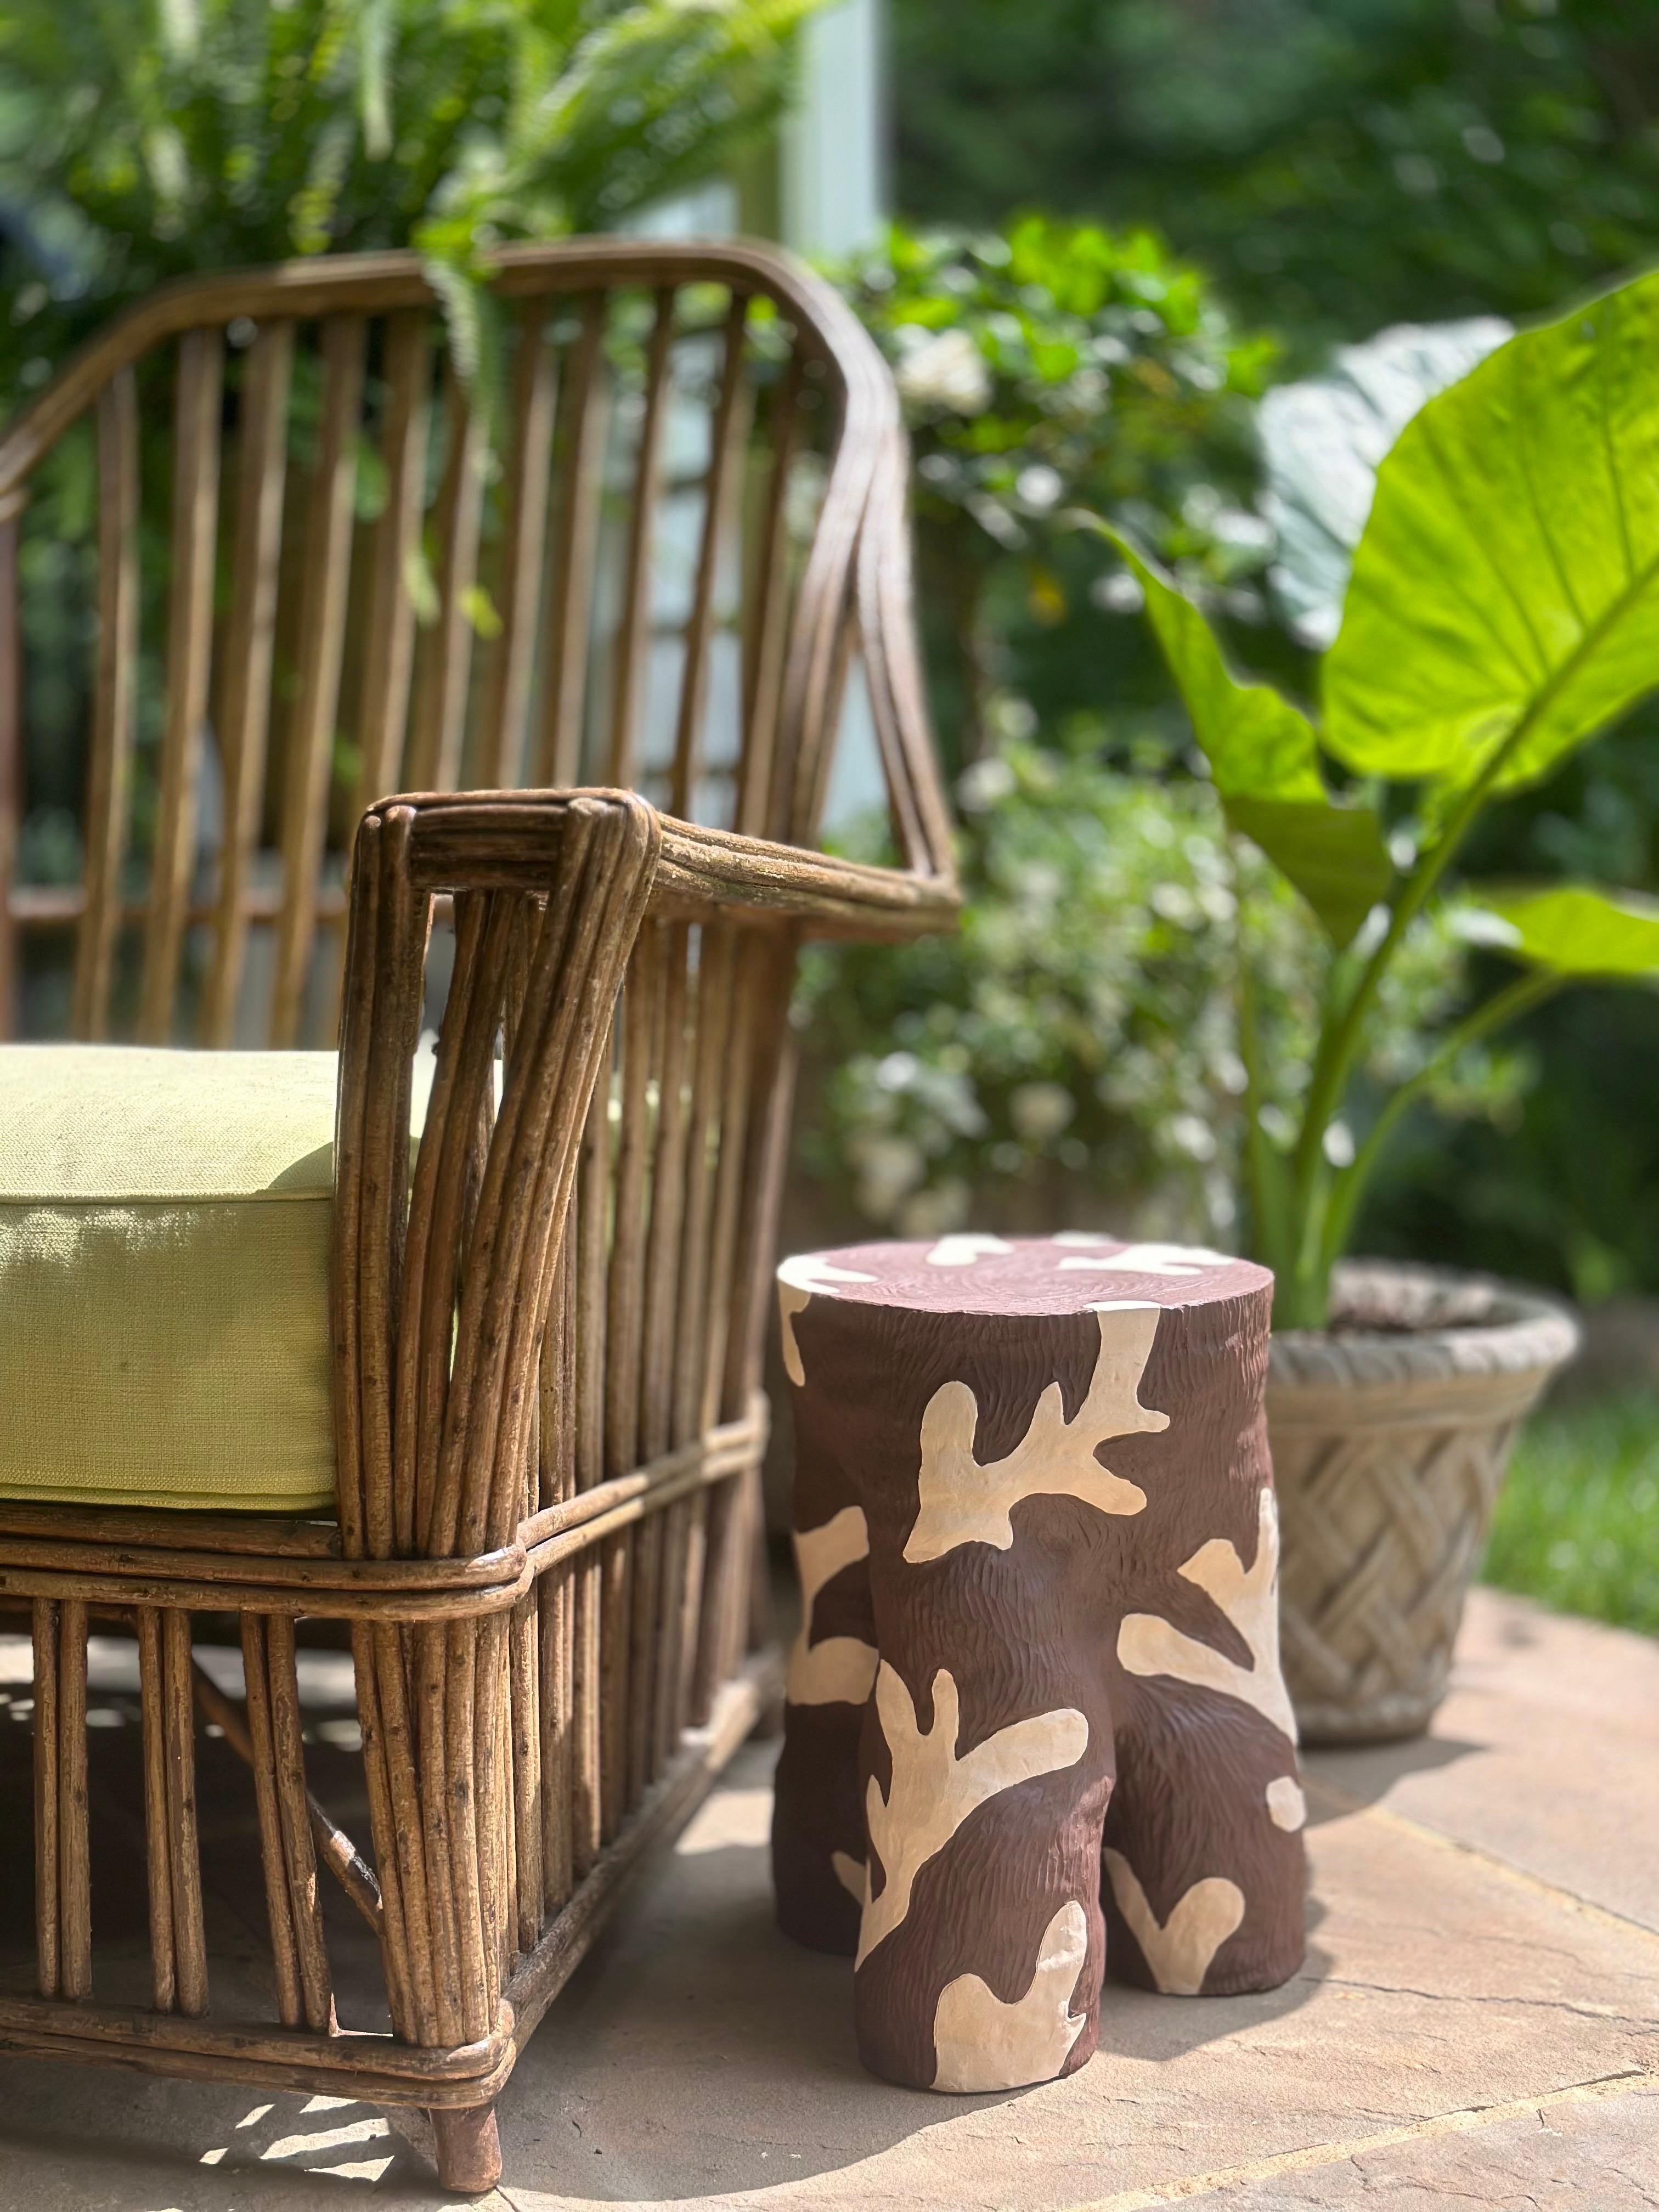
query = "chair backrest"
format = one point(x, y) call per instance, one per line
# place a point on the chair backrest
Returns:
point(266, 556)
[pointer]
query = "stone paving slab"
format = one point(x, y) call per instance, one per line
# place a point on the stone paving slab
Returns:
point(1595, 2149)
point(1479, 2019)
point(1546, 1753)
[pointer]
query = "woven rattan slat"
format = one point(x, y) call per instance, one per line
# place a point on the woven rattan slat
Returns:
point(322, 636)
point(195, 519)
point(114, 723)
point(389, 648)
point(249, 646)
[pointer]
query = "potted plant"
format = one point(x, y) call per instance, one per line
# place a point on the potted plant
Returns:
point(1502, 610)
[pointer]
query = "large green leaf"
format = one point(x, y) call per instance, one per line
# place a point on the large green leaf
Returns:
point(1505, 600)
point(1265, 759)
point(1256, 743)
point(1573, 929)
point(1322, 440)
point(1334, 855)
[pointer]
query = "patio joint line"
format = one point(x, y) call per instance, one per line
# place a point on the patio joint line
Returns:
point(1343, 1802)
point(1319, 2154)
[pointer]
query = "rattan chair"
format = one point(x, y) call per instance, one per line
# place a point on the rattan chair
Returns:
point(545, 1335)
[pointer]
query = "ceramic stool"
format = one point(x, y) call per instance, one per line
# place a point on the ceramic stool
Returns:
point(1034, 1525)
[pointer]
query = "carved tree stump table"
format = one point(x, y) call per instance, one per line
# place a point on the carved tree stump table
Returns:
point(1037, 1543)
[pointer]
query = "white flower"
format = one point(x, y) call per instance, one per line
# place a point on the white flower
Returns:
point(1039, 487)
point(888, 1169)
point(1337, 1145)
point(947, 370)
point(1190, 1135)
point(984, 783)
point(1040, 1111)
point(1118, 593)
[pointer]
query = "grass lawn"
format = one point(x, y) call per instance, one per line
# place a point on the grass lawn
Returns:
point(1577, 1521)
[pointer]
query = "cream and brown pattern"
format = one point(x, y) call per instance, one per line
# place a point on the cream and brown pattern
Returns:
point(1058, 1453)
point(983, 2044)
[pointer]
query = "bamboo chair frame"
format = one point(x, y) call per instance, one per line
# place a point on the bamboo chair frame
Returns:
point(546, 1338)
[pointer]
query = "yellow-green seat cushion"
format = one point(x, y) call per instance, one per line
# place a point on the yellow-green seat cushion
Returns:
point(164, 1238)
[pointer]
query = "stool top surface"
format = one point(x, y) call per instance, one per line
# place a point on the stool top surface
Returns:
point(1072, 1272)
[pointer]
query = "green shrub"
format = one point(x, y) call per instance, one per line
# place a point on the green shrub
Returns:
point(1042, 365)
point(1072, 1054)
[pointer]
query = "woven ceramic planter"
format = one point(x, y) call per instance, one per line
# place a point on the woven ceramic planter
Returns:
point(1390, 1434)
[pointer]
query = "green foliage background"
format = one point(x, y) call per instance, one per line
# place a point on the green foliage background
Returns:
point(1048, 367)
point(1070, 1058)
point(1337, 165)
point(1577, 1519)
point(151, 138)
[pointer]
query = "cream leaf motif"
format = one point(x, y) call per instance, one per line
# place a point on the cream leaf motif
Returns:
point(981, 2043)
point(1148, 1645)
point(840, 1669)
point(1287, 1807)
point(960, 1501)
point(1178, 1951)
point(963, 1248)
point(933, 1790)
point(1172, 1260)
point(797, 1280)
point(852, 1875)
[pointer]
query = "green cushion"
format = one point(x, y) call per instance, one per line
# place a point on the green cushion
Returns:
point(164, 1237)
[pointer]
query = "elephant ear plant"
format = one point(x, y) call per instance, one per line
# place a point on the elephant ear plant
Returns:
point(1503, 610)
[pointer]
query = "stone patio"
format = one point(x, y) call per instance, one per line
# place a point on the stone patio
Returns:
point(1478, 2020)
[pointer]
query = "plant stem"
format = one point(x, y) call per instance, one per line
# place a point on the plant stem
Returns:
point(964, 577)
point(1339, 1047)
point(1502, 1007)
point(1262, 1172)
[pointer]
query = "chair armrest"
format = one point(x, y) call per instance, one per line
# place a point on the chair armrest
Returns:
point(504, 841)
point(701, 868)
point(440, 1290)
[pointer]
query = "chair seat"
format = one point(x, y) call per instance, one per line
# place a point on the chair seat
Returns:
point(164, 1241)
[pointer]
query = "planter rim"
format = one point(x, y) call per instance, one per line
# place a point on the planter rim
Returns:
point(1470, 1326)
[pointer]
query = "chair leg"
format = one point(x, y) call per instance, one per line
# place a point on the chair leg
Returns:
point(469, 2149)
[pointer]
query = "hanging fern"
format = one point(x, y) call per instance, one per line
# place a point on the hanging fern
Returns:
point(143, 139)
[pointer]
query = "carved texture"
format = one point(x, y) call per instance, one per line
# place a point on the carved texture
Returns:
point(985, 2044)
point(1248, 1598)
point(838, 1669)
point(962, 1501)
point(1034, 1797)
point(1178, 1950)
point(934, 1787)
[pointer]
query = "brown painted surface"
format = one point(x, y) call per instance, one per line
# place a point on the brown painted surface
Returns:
point(1026, 1618)
point(818, 1784)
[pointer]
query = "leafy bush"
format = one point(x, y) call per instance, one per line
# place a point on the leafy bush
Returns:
point(1338, 165)
point(1042, 365)
point(1073, 1055)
